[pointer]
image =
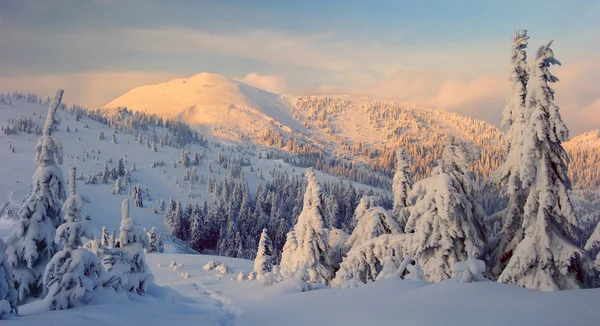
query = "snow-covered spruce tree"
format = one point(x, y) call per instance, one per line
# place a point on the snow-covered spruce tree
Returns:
point(546, 258)
point(403, 183)
point(197, 232)
point(364, 204)
point(31, 245)
point(373, 223)
point(375, 237)
point(133, 241)
point(502, 245)
point(137, 196)
point(160, 246)
point(73, 273)
point(446, 218)
point(593, 245)
point(152, 245)
point(104, 241)
point(310, 260)
point(263, 263)
point(112, 240)
point(8, 294)
point(287, 266)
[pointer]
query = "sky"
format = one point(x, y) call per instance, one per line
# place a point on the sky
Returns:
point(448, 54)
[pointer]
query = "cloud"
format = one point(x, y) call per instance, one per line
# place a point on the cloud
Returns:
point(90, 89)
point(484, 97)
point(271, 83)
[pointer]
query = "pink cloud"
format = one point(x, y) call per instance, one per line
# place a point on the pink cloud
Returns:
point(484, 97)
point(270, 83)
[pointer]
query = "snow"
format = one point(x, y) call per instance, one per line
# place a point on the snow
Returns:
point(206, 298)
point(190, 295)
point(217, 104)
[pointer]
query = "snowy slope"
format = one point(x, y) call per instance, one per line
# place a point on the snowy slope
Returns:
point(209, 298)
point(214, 103)
point(17, 168)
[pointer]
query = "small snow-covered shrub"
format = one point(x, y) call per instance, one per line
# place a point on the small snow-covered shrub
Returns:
point(470, 270)
point(173, 263)
point(351, 283)
point(223, 269)
point(4, 308)
point(252, 276)
point(185, 275)
point(415, 273)
point(390, 267)
point(241, 276)
point(211, 265)
point(268, 278)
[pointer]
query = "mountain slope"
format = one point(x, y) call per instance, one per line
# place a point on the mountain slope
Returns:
point(347, 129)
point(216, 104)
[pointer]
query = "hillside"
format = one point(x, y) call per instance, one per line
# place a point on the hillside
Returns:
point(347, 130)
point(216, 104)
point(159, 173)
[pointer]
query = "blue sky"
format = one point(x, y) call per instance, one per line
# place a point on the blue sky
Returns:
point(290, 46)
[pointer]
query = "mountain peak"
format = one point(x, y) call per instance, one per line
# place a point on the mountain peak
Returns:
point(211, 102)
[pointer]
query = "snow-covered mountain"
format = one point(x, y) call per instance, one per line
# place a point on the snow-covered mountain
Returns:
point(214, 103)
point(348, 129)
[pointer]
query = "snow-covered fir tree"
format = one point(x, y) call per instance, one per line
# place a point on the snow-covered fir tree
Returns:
point(263, 263)
point(197, 232)
point(104, 240)
point(133, 241)
point(373, 223)
point(446, 217)
point(112, 240)
point(376, 237)
point(185, 159)
point(8, 294)
point(502, 244)
point(119, 186)
point(152, 245)
point(365, 203)
point(401, 186)
point(592, 246)
point(546, 258)
point(31, 246)
point(73, 273)
point(160, 246)
point(105, 174)
point(310, 260)
point(137, 196)
point(174, 219)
